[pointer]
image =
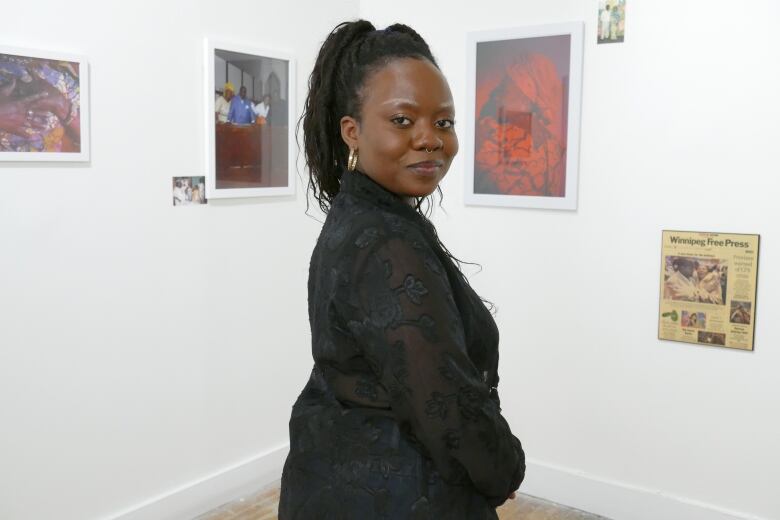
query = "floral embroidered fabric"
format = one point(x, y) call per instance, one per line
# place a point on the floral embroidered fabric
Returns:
point(400, 418)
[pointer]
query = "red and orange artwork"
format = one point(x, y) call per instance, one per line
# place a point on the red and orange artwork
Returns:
point(521, 116)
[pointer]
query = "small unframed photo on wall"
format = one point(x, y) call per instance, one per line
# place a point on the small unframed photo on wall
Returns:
point(189, 190)
point(612, 21)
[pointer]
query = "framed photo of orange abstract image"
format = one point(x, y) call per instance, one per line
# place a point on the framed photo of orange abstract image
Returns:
point(524, 89)
point(44, 106)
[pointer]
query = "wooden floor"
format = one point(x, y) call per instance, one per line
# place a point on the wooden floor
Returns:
point(264, 505)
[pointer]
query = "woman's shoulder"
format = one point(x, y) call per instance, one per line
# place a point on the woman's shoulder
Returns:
point(360, 214)
point(355, 223)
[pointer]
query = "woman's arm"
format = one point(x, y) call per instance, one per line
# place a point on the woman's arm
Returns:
point(401, 311)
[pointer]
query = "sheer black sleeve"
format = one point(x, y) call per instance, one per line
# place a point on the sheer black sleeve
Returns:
point(400, 309)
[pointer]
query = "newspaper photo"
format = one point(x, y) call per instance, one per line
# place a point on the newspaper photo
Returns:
point(708, 288)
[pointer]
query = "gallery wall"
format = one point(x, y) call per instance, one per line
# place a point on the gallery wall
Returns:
point(678, 132)
point(149, 355)
point(147, 351)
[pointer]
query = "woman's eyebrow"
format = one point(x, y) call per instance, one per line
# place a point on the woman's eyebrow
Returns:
point(408, 103)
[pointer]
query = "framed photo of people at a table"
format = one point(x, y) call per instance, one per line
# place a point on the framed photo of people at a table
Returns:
point(44, 108)
point(250, 135)
point(523, 116)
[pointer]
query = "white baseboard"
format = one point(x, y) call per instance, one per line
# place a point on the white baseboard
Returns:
point(196, 498)
point(573, 488)
point(617, 500)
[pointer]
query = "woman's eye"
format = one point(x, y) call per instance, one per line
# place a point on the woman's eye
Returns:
point(401, 120)
point(445, 123)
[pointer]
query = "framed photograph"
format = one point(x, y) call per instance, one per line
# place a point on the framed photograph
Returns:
point(250, 130)
point(523, 116)
point(44, 106)
point(708, 288)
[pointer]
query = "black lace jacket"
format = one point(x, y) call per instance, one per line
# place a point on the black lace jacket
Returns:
point(400, 418)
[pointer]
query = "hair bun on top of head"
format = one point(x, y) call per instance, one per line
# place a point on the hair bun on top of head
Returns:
point(405, 29)
point(346, 32)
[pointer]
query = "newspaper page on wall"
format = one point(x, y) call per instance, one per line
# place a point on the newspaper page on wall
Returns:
point(708, 288)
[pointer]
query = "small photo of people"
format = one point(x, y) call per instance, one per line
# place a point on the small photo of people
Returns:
point(612, 21)
point(740, 312)
point(712, 338)
point(39, 105)
point(189, 190)
point(251, 120)
point(691, 279)
point(694, 320)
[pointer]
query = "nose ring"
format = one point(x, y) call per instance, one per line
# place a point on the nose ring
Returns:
point(441, 145)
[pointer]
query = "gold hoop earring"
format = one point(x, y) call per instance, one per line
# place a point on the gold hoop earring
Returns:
point(352, 160)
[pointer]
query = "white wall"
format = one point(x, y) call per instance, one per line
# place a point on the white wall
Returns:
point(145, 347)
point(679, 132)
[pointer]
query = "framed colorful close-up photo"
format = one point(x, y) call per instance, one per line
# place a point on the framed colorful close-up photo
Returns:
point(44, 108)
point(523, 116)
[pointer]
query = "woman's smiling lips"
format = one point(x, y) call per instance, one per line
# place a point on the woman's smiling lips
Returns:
point(426, 167)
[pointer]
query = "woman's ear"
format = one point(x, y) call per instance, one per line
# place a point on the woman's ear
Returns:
point(350, 130)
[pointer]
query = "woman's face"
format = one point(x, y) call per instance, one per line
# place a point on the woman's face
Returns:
point(407, 107)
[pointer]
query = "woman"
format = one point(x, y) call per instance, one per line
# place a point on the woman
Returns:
point(400, 418)
point(693, 321)
point(222, 104)
point(261, 109)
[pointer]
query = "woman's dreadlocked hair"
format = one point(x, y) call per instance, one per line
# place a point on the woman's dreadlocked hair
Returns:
point(348, 56)
point(350, 53)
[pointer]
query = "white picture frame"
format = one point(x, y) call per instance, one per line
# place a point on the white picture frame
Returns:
point(27, 74)
point(506, 146)
point(221, 180)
